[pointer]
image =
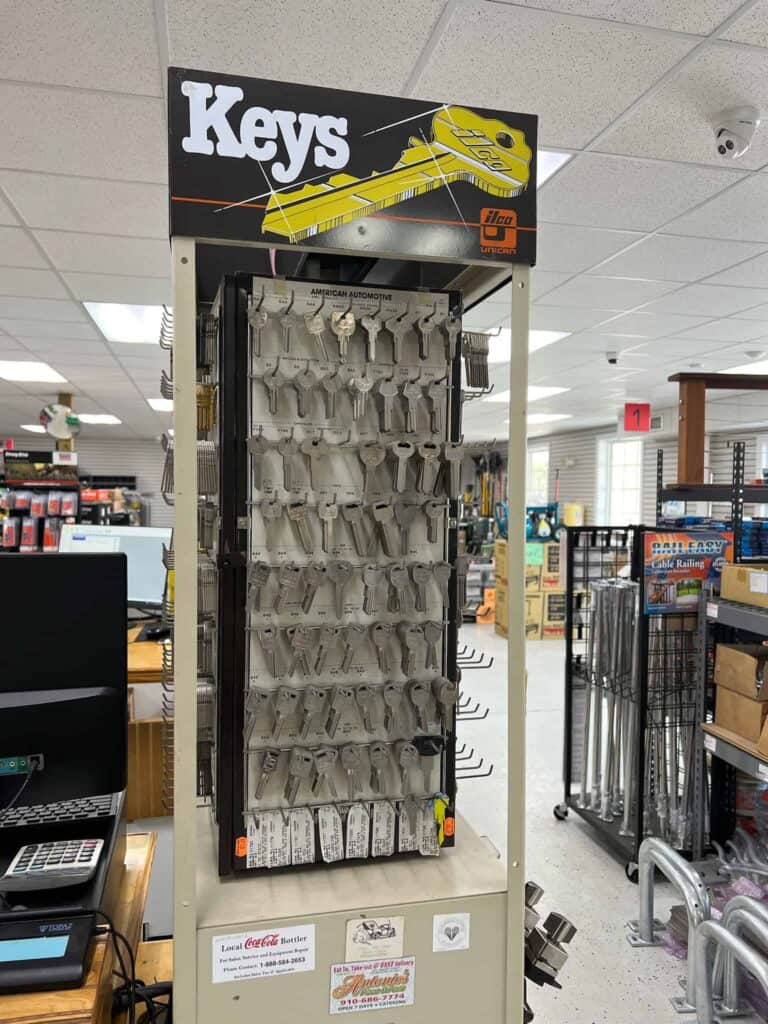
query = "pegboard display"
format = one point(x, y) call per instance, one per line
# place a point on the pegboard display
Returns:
point(340, 459)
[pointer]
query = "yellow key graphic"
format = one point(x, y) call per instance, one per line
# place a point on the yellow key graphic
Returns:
point(464, 147)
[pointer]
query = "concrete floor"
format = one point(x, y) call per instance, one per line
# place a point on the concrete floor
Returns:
point(605, 980)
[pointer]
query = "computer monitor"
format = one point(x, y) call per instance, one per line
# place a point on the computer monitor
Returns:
point(63, 623)
point(142, 546)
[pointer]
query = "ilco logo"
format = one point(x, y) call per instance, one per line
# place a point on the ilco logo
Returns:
point(498, 231)
point(262, 134)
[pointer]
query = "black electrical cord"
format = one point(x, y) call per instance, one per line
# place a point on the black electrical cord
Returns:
point(130, 981)
point(15, 798)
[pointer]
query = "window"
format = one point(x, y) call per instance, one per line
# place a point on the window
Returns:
point(537, 477)
point(619, 482)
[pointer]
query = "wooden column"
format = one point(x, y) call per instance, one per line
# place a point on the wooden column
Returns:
point(690, 451)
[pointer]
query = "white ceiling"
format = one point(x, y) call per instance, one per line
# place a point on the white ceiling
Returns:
point(649, 245)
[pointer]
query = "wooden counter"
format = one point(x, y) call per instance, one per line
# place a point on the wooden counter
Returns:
point(145, 660)
point(92, 1004)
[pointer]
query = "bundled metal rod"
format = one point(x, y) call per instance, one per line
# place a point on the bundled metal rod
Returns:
point(609, 717)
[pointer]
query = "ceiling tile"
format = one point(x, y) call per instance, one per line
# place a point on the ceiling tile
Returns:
point(10, 345)
point(81, 43)
point(543, 281)
point(671, 350)
point(139, 291)
point(751, 27)
point(17, 249)
point(85, 204)
point(675, 121)
point(728, 330)
point(388, 37)
point(650, 325)
point(48, 329)
point(26, 283)
point(7, 216)
point(567, 318)
point(741, 212)
point(562, 247)
point(701, 17)
point(611, 192)
point(709, 300)
point(576, 74)
point(40, 309)
point(756, 313)
point(618, 293)
point(752, 273)
point(674, 258)
point(65, 347)
point(96, 134)
point(142, 257)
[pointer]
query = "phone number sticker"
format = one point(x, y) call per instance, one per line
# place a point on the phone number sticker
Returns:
point(264, 953)
point(373, 985)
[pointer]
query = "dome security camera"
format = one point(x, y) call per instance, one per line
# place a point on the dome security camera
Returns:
point(734, 130)
point(612, 357)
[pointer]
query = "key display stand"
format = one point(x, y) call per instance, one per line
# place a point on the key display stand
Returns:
point(333, 872)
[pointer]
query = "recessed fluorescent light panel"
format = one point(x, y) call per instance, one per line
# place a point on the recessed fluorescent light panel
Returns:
point(535, 394)
point(33, 428)
point(131, 325)
point(161, 404)
point(757, 368)
point(547, 162)
point(30, 372)
point(98, 417)
point(534, 418)
point(500, 345)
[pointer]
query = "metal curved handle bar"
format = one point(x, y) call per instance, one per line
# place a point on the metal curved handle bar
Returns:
point(687, 881)
point(752, 921)
point(741, 869)
point(736, 903)
point(705, 934)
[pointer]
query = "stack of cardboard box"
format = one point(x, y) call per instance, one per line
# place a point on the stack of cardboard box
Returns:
point(544, 596)
point(742, 699)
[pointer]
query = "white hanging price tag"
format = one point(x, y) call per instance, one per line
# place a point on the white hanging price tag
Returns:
point(407, 839)
point(710, 743)
point(302, 836)
point(279, 839)
point(358, 832)
point(331, 833)
point(383, 829)
point(428, 844)
point(762, 771)
point(258, 850)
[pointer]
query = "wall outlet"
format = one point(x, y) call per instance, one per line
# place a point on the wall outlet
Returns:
point(20, 764)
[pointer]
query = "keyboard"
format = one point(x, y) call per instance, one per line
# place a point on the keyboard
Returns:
point(82, 809)
point(52, 865)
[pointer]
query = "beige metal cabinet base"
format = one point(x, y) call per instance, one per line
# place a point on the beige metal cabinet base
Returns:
point(460, 986)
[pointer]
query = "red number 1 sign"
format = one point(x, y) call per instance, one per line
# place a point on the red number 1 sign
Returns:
point(637, 417)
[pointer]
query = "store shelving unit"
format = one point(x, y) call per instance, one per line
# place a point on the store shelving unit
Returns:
point(729, 752)
point(737, 494)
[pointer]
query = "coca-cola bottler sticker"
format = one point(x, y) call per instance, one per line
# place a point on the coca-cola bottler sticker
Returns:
point(263, 954)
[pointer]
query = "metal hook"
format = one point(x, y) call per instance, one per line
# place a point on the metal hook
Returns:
point(261, 300)
point(320, 307)
point(290, 304)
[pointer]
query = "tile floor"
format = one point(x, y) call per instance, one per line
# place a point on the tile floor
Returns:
point(605, 981)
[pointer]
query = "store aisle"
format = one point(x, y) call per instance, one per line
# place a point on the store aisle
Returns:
point(605, 980)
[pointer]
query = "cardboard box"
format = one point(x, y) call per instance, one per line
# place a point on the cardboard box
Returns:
point(741, 668)
point(500, 559)
point(741, 715)
point(553, 613)
point(747, 584)
point(552, 632)
point(532, 579)
point(550, 572)
point(533, 609)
